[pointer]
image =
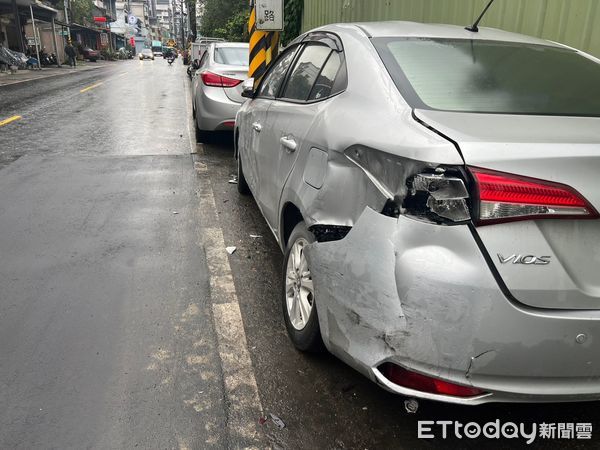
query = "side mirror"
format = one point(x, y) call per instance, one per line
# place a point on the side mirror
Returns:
point(248, 88)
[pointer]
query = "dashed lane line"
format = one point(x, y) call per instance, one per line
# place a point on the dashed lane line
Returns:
point(91, 87)
point(9, 120)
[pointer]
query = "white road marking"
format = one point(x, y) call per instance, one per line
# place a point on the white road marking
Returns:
point(242, 399)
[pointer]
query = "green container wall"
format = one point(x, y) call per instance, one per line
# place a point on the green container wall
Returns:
point(572, 22)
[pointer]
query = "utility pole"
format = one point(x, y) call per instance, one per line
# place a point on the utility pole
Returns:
point(183, 43)
point(55, 43)
point(18, 25)
point(67, 20)
point(35, 37)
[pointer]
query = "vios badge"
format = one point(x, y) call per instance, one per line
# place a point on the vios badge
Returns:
point(525, 259)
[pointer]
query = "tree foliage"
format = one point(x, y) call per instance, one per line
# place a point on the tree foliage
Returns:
point(228, 19)
point(224, 18)
point(80, 11)
point(292, 21)
point(191, 7)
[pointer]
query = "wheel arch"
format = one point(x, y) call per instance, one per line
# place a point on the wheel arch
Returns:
point(236, 138)
point(290, 217)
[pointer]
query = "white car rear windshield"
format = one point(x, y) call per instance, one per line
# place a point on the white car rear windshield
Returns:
point(492, 77)
point(232, 56)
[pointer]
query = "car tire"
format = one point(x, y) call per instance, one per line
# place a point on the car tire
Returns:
point(304, 333)
point(242, 185)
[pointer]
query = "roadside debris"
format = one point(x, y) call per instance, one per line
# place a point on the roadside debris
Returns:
point(231, 250)
point(277, 421)
point(233, 179)
point(200, 167)
point(175, 212)
point(411, 406)
point(255, 236)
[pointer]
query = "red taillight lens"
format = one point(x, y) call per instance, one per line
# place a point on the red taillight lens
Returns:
point(230, 82)
point(423, 383)
point(212, 79)
point(504, 197)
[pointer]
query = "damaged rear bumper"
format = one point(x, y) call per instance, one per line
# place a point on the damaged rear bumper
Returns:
point(422, 296)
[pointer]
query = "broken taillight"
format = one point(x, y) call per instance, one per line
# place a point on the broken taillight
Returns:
point(440, 197)
point(423, 383)
point(505, 197)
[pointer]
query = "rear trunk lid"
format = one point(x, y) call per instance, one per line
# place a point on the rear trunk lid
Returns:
point(558, 149)
point(236, 72)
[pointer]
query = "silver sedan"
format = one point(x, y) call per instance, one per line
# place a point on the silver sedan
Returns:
point(216, 87)
point(435, 192)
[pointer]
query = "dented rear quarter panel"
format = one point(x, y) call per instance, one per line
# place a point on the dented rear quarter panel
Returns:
point(422, 295)
point(370, 114)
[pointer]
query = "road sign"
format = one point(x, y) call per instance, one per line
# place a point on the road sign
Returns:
point(269, 15)
point(132, 20)
point(31, 41)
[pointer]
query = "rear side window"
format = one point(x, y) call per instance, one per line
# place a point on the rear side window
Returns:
point(203, 59)
point(305, 72)
point(274, 78)
point(231, 56)
point(324, 85)
point(492, 77)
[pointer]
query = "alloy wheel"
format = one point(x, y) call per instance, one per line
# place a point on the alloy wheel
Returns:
point(299, 288)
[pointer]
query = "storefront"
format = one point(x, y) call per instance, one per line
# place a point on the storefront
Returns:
point(29, 26)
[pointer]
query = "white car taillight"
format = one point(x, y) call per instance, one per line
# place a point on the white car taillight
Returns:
point(504, 197)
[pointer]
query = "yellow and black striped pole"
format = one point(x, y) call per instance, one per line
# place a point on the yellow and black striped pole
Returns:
point(264, 46)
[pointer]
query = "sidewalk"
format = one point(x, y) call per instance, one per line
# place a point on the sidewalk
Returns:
point(22, 76)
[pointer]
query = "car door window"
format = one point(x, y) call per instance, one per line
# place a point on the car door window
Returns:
point(323, 87)
point(203, 59)
point(305, 72)
point(274, 78)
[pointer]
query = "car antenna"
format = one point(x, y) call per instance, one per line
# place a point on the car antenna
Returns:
point(474, 28)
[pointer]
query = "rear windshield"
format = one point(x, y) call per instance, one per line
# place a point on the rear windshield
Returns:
point(232, 56)
point(492, 77)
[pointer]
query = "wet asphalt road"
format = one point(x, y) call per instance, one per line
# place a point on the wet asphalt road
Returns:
point(107, 333)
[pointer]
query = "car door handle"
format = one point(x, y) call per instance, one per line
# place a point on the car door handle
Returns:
point(288, 143)
point(257, 127)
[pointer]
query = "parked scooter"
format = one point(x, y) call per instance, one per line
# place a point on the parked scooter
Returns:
point(47, 59)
